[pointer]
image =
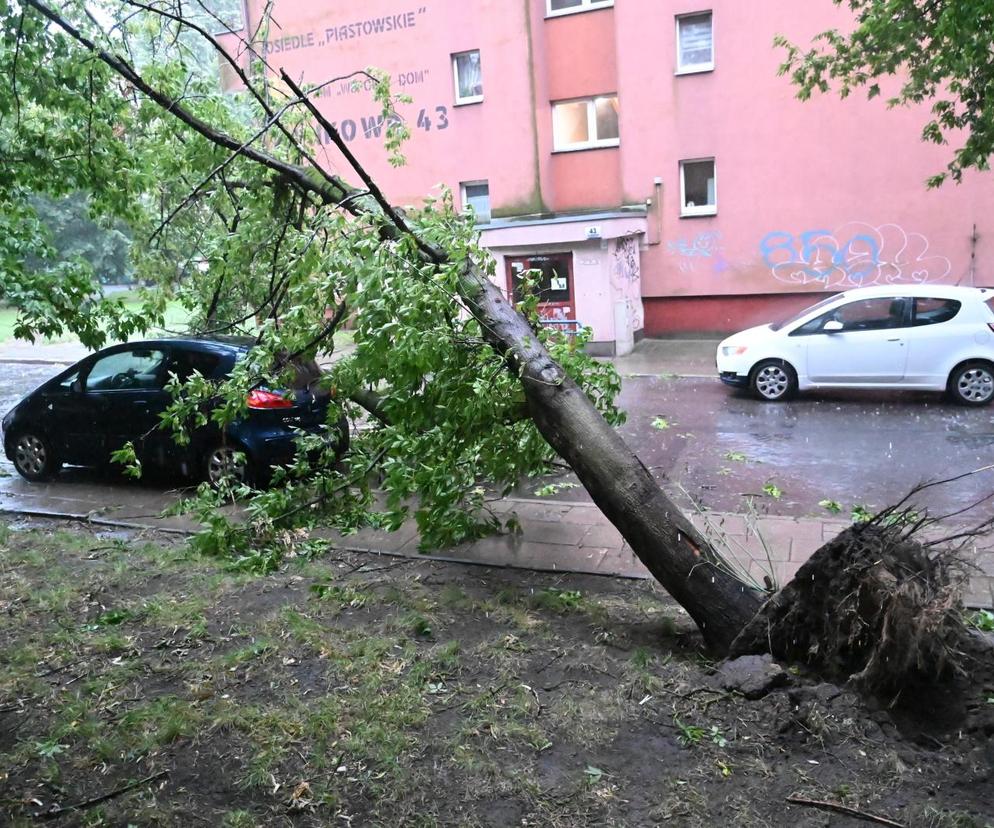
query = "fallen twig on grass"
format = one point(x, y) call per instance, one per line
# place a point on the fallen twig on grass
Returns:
point(89, 803)
point(843, 809)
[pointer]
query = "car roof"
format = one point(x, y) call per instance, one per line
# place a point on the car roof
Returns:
point(194, 343)
point(933, 291)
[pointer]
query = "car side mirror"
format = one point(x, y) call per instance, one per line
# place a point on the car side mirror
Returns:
point(77, 386)
point(832, 326)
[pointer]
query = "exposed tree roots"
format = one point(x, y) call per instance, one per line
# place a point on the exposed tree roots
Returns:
point(874, 606)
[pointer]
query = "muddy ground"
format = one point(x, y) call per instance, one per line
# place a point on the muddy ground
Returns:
point(148, 686)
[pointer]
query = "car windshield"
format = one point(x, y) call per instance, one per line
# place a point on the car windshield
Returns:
point(776, 326)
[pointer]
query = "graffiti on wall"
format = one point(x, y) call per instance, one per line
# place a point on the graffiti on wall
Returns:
point(627, 277)
point(854, 255)
point(704, 248)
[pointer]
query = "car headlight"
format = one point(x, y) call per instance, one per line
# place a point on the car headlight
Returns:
point(733, 350)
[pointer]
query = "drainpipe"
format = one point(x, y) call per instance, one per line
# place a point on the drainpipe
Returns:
point(654, 210)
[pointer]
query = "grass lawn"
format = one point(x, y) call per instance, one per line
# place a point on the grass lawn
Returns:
point(175, 322)
point(148, 686)
point(175, 319)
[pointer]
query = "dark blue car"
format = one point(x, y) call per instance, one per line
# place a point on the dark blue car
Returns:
point(116, 395)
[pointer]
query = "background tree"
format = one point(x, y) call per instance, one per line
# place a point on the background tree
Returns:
point(936, 50)
point(74, 234)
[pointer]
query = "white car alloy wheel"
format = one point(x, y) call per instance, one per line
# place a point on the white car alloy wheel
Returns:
point(32, 457)
point(773, 381)
point(974, 384)
point(226, 463)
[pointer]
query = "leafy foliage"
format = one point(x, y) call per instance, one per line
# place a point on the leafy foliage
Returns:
point(439, 423)
point(939, 51)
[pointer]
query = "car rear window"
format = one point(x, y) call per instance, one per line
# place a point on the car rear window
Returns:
point(930, 311)
point(184, 363)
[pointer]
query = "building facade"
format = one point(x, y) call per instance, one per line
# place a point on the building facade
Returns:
point(643, 154)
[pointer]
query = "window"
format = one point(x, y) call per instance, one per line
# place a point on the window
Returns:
point(934, 311)
point(698, 188)
point(185, 363)
point(140, 368)
point(476, 197)
point(557, 7)
point(879, 314)
point(694, 43)
point(552, 280)
point(592, 122)
point(468, 77)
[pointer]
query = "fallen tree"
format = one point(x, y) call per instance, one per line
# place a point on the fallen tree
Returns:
point(346, 247)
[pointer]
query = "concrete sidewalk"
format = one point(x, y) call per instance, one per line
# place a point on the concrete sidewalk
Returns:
point(651, 357)
point(669, 357)
point(558, 536)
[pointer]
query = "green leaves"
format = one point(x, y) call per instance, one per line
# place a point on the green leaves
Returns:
point(983, 620)
point(930, 51)
point(126, 457)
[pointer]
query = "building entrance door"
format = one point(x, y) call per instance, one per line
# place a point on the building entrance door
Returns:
point(556, 303)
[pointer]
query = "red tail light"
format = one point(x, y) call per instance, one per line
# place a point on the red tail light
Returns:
point(267, 399)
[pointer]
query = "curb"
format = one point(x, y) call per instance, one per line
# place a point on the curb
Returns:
point(361, 550)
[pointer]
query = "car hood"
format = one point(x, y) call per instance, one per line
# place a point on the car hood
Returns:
point(750, 335)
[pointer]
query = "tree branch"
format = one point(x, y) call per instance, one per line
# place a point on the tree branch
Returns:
point(330, 191)
point(433, 253)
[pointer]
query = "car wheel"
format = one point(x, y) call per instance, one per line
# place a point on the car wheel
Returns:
point(773, 380)
point(226, 461)
point(33, 456)
point(972, 383)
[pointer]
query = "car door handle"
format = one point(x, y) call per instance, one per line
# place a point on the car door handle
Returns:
point(895, 339)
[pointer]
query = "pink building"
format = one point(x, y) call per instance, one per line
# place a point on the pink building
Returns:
point(643, 153)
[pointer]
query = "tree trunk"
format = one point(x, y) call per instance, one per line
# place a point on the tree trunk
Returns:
point(660, 535)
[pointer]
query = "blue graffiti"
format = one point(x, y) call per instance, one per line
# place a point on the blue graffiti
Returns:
point(818, 254)
point(703, 244)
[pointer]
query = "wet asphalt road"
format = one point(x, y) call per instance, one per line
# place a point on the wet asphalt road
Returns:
point(865, 448)
point(720, 447)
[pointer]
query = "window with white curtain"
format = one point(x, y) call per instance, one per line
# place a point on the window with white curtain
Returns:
point(468, 75)
point(694, 43)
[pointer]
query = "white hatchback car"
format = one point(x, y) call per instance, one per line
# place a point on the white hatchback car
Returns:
point(925, 337)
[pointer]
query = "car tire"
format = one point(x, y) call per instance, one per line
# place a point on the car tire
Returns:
point(773, 380)
point(972, 383)
point(220, 461)
point(34, 457)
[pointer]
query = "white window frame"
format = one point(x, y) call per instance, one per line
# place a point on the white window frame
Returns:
point(693, 68)
point(557, 146)
point(465, 201)
point(469, 99)
point(703, 209)
point(585, 6)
